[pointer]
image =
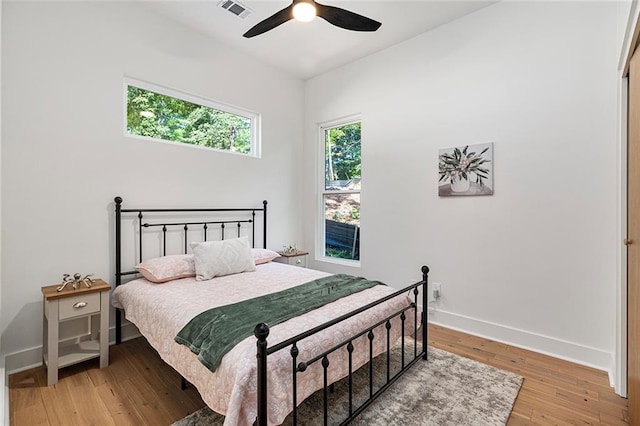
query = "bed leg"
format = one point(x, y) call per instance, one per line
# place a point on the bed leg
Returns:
point(262, 332)
point(425, 310)
point(118, 327)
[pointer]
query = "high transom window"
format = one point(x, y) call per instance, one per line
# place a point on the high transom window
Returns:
point(164, 114)
point(341, 187)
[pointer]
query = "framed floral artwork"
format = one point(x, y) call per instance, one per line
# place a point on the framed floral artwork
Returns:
point(466, 170)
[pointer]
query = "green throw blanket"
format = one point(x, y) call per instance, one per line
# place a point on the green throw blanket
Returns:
point(213, 333)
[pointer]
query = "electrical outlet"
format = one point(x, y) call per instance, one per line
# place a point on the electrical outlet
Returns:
point(436, 290)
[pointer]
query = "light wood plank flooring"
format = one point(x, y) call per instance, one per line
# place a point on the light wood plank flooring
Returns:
point(139, 389)
point(554, 392)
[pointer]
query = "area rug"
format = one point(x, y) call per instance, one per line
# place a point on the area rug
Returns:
point(445, 390)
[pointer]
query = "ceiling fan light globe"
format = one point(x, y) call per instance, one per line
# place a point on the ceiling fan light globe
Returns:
point(304, 12)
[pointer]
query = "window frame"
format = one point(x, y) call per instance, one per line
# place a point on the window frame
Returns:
point(321, 222)
point(254, 117)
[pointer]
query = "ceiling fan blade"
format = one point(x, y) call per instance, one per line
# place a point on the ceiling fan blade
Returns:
point(271, 22)
point(345, 19)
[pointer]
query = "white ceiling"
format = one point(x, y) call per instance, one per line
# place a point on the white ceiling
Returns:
point(309, 49)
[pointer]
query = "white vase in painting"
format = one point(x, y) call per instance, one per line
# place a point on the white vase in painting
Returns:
point(459, 184)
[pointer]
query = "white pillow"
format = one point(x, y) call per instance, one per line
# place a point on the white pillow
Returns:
point(218, 258)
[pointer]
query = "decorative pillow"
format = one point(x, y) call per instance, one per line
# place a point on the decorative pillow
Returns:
point(218, 258)
point(261, 256)
point(167, 268)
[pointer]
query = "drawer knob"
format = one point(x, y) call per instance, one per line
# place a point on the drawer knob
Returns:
point(299, 261)
point(79, 305)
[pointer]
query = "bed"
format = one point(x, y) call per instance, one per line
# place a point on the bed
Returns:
point(266, 376)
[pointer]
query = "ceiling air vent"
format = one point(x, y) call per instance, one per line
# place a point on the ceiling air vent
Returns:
point(235, 8)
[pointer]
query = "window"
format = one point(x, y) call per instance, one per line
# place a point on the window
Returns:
point(164, 114)
point(341, 190)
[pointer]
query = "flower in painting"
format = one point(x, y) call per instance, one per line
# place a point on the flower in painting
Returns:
point(461, 164)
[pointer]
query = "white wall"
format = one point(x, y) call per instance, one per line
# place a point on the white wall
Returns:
point(534, 264)
point(64, 156)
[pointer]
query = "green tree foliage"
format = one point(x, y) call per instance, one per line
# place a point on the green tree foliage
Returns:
point(163, 117)
point(342, 212)
point(342, 152)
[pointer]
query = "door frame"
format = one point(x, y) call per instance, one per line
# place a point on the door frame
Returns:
point(620, 361)
point(630, 40)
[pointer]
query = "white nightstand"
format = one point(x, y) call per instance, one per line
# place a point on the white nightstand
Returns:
point(59, 306)
point(298, 258)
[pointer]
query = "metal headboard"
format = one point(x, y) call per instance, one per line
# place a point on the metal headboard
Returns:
point(248, 216)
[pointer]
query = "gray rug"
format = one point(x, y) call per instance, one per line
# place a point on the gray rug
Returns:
point(446, 390)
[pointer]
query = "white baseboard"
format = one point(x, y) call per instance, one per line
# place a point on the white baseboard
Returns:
point(30, 358)
point(562, 349)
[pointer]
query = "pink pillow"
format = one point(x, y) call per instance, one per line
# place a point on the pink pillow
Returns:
point(167, 268)
point(263, 255)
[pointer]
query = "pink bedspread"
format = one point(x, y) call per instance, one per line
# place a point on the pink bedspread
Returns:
point(161, 310)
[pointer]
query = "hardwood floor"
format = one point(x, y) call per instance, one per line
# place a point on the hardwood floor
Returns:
point(554, 392)
point(139, 389)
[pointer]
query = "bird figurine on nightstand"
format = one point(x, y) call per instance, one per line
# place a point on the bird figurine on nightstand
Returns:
point(76, 281)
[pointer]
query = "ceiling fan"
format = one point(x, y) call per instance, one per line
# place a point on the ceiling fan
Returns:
point(306, 10)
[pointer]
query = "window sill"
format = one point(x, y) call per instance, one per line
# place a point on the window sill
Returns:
point(338, 261)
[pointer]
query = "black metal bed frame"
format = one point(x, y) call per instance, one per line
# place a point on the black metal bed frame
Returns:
point(262, 330)
point(250, 214)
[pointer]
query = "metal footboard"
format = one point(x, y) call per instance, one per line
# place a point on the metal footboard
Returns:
point(263, 351)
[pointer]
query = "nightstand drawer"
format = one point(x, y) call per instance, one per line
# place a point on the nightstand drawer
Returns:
point(79, 305)
point(298, 261)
